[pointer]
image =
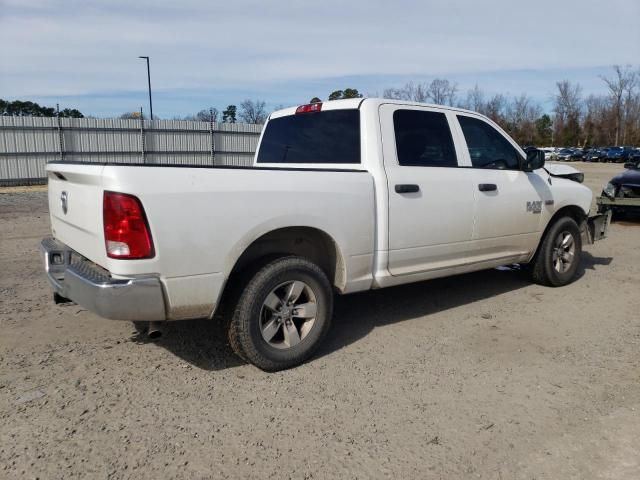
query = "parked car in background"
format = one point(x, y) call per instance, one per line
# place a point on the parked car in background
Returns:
point(578, 153)
point(570, 154)
point(550, 153)
point(614, 154)
point(627, 153)
point(595, 155)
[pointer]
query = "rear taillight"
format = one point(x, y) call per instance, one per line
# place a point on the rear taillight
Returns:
point(126, 231)
point(312, 107)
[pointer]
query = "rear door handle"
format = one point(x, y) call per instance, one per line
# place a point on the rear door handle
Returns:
point(487, 187)
point(407, 188)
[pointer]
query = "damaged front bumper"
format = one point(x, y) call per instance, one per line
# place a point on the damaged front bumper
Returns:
point(596, 227)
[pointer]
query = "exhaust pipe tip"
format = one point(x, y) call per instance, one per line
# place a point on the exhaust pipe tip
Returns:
point(155, 330)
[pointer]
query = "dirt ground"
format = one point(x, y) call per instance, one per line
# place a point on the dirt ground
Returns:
point(477, 376)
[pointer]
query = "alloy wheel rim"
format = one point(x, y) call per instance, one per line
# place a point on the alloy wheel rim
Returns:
point(564, 249)
point(288, 314)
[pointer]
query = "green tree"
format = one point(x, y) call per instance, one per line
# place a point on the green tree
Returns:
point(346, 93)
point(71, 113)
point(229, 115)
point(351, 93)
point(315, 100)
point(253, 111)
point(19, 108)
point(544, 130)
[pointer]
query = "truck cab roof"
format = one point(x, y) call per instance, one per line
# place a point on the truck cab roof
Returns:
point(349, 103)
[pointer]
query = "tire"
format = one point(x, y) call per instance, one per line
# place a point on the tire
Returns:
point(267, 329)
point(558, 258)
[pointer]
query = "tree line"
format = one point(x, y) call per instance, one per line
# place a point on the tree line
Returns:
point(250, 111)
point(612, 118)
point(19, 108)
point(253, 111)
point(606, 119)
point(578, 120)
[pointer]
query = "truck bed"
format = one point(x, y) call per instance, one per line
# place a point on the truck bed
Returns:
point(203, 218)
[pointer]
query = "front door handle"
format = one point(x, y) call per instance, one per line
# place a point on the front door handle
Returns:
point(487, 187)
point(407, 188)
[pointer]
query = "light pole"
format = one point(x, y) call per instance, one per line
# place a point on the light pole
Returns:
point(149, 83)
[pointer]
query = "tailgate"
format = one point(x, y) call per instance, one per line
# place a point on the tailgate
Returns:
point(75, 207)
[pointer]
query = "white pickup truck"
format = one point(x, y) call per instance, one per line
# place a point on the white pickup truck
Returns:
point(344, 196)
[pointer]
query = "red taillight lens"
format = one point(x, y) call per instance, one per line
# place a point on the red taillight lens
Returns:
point(126, 231)
point(312, 107)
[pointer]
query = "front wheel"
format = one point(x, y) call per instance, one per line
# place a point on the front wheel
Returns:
point(282, 315)
point(558, 257)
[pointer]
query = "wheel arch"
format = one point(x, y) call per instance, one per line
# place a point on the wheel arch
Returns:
point(572, 211)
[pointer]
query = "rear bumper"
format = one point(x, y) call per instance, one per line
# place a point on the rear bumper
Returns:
point(85, 283)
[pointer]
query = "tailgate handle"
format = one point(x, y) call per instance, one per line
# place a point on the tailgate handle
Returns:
point(487, 187)
point(407, 188)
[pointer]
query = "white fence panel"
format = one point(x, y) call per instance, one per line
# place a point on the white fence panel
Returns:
point(28, 143)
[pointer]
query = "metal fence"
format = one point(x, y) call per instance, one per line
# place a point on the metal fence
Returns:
point(28, 143)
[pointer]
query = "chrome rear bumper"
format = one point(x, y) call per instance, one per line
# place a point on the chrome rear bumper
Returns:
point(85, 283)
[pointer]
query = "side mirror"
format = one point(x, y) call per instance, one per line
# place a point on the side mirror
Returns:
point(534, 161)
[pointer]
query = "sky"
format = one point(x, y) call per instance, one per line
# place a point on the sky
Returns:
point(84, 53)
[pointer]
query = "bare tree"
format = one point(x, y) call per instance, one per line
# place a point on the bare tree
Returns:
point(567, 108)
point(475, 100)
point(442, 92)
point(520, 115)
point(416, 92)
point(568, 99)
point(622, 83)
point(393, 94)
point(439, 91)
point(632, 118)
point(253, 111)
point(204, 115)
point(495, 108)
point(597, 120)
point(410, 91)
point(208, 115)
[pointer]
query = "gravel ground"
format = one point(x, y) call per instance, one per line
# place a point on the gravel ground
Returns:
point(478, 376)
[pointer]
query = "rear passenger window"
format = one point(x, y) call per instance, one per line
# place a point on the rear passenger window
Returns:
point(487, 147)
point(423, 139)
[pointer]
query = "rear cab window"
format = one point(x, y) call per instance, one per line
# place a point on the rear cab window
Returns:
point(325, 137)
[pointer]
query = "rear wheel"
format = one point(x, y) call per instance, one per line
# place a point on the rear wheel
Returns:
point(558, 258)
point(282, 315)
